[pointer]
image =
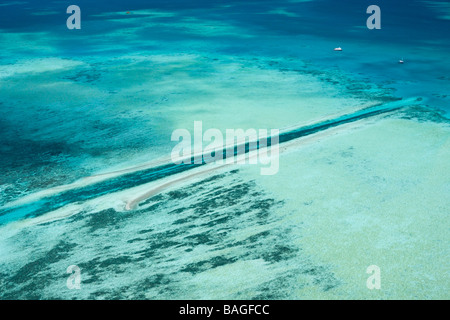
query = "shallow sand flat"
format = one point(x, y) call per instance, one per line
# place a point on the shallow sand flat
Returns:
point(83, 117)
point(141, 174)
point(307, 238)
point(37, 66)
point(359, 204)
point(101, 101)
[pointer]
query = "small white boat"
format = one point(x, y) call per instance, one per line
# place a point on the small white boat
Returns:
point(338, 49)
point(401, 61)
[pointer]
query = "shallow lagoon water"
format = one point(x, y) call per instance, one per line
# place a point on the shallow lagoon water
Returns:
point(107, 98)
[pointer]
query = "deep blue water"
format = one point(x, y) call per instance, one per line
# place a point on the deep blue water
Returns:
point(406, 23)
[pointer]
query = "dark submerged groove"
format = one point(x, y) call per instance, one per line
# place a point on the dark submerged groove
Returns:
point(130, 180)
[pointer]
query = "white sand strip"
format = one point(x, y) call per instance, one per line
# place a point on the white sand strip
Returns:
point(166, 160)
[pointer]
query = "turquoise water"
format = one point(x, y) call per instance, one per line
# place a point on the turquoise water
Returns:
point(103, 101)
